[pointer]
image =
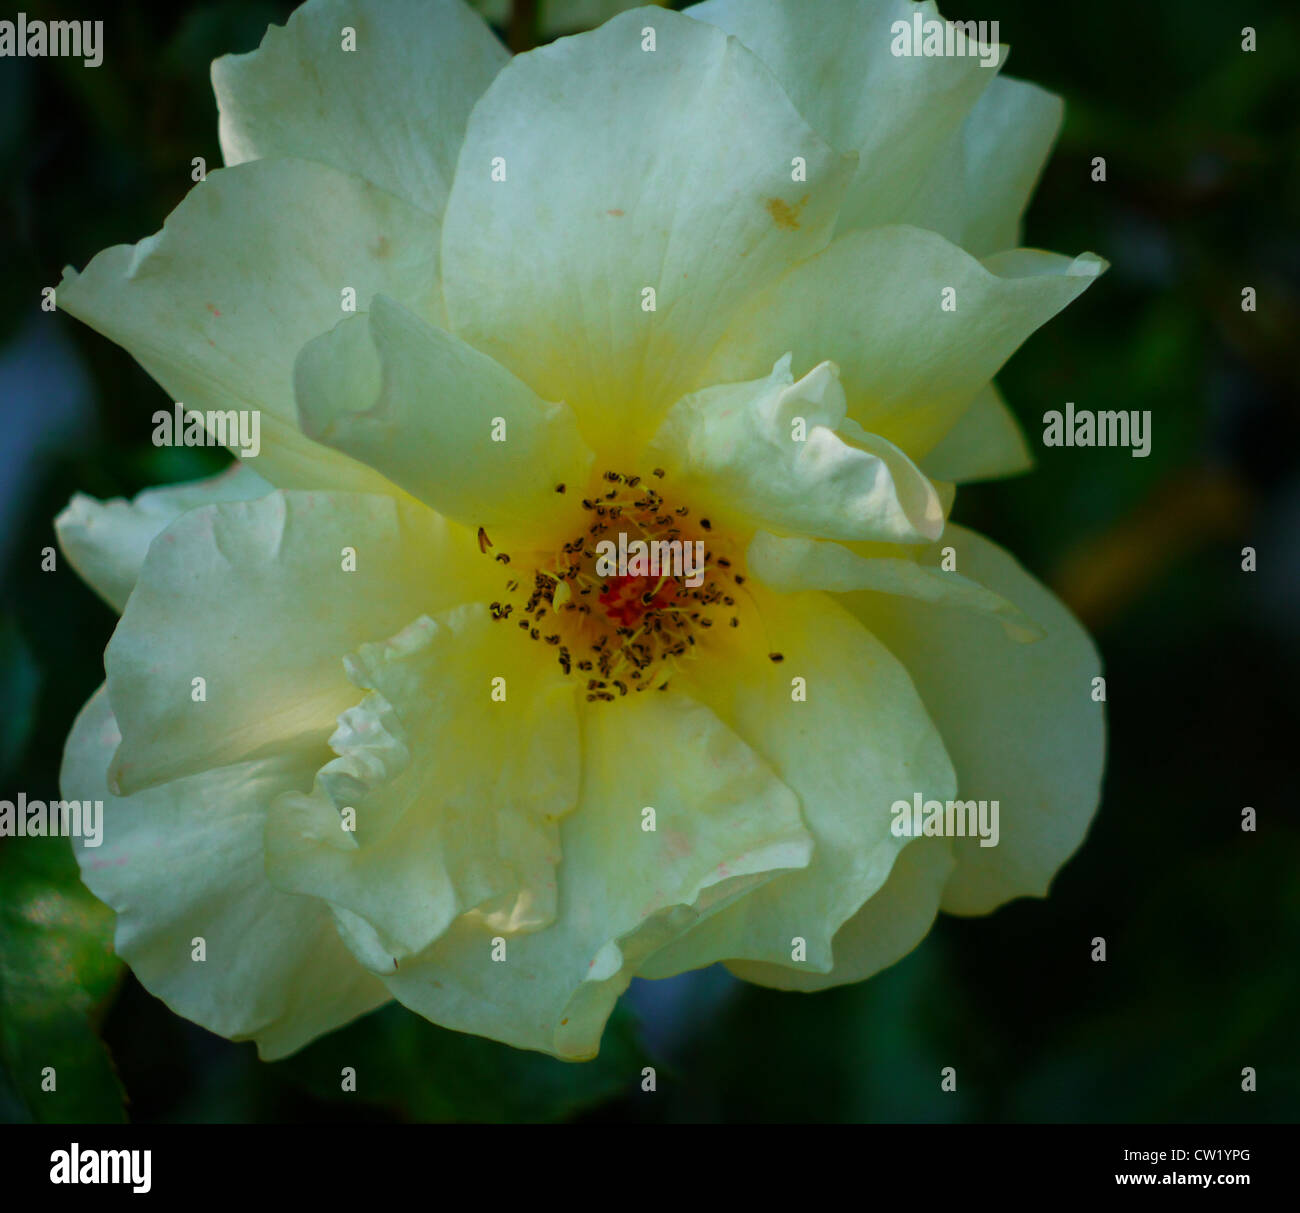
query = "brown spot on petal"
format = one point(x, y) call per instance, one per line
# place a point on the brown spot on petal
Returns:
point(783, 214)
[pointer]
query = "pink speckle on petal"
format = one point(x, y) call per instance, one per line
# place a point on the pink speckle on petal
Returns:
point(677, 844)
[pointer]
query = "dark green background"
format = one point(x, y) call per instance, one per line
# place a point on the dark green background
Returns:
point(1202, 920)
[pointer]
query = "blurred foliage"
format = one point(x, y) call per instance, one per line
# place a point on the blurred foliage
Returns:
point(1202, 198)
point(19, 685)
point(56, 969)
point(424, 1072)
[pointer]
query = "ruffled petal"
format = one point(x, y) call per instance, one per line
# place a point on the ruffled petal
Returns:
point(782, 455)
point(183, 862)
point(256, 598)
point(457, 767)
point(724, 824)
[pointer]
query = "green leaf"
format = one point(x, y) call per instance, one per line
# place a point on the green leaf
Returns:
point(57, 969)
point(427, 1073)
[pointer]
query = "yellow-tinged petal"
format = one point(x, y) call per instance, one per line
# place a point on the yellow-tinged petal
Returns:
point(443, 421)
point(258, 600)
point(794, 565)
point(984, 443)
point(917, 326)
point(641, 222)
point(1019, 720)
point(457, 768)
point(841, 723)
point(723, 823)
point(614, 205)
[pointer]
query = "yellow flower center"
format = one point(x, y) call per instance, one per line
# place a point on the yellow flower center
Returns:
point(632, 596)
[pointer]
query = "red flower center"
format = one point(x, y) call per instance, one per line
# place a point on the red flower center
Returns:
point(628, 598)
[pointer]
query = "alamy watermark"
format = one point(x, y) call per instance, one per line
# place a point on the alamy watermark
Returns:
point(1083, 427)
point(238, 429)
point(921, 818)
point(35, 39)
point(52, 819)
point(652, 558)
point(934, 38)
point(76, 1165)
